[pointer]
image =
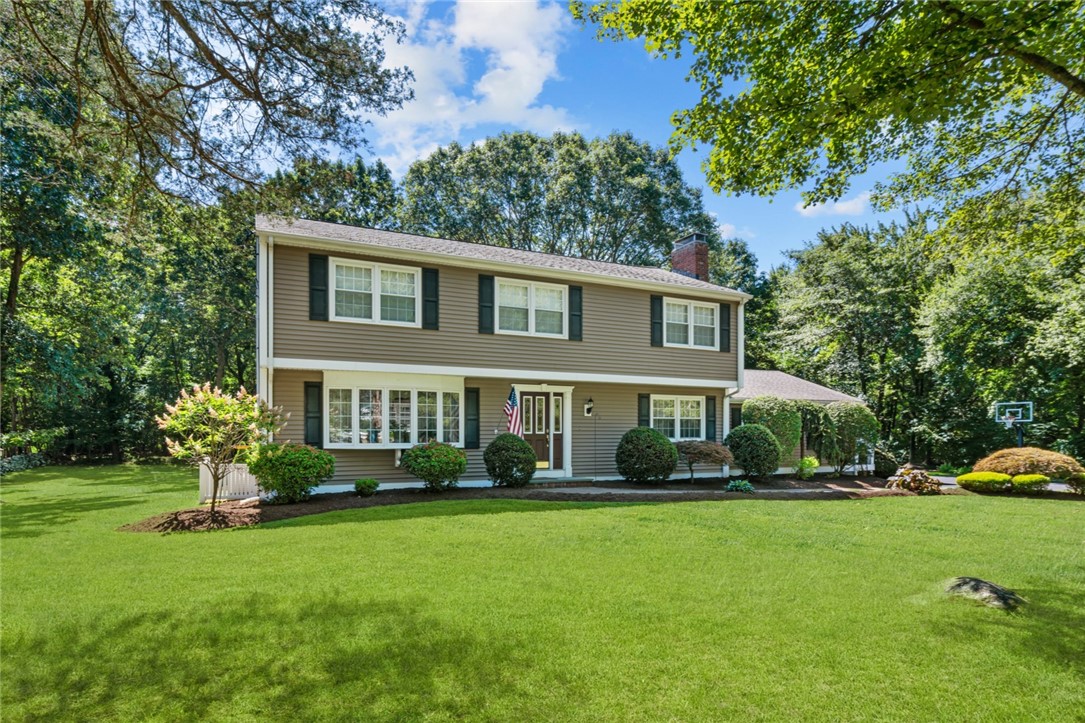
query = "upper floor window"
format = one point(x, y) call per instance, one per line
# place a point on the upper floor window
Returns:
point(679, 417)
point(688, 323)
point(375, 293)
point(532, 308)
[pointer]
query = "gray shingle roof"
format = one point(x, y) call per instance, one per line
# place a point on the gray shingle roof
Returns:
point(779, 384)
point(371, 237)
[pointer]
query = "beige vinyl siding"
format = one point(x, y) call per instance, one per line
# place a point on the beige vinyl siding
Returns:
point(594, 440)
point(617, 332)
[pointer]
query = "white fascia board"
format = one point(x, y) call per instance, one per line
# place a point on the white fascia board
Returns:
point(564, 275)
point(328, 365)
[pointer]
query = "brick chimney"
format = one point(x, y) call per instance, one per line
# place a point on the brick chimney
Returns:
point(690, 256)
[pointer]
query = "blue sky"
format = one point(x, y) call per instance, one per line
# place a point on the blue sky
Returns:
point(486, 67)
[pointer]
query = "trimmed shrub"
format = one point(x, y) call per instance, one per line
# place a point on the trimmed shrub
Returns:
point(645, 455)
point(915, 480)
point(366, 487)
point(510, 461)
point(755, 449)
point(781, 416)
point(856, 430)
point(886, 463)
point(739, 485)
point(1076, 483)
point(696, 451)
point(1029, 482)
point(289, 472)
point(1029, 460)
point(437, 464)
point(984, 481)
point(21, 462)
point(807, 467)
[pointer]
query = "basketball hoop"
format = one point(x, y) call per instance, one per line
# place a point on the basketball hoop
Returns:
point(1014, 415)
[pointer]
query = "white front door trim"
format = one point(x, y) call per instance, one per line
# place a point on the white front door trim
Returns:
point(566, 425)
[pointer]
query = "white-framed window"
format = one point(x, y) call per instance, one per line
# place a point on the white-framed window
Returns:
point(375, 293)
point(391, 417)
point(678, 417)
point(690, 324)
point(532, 308)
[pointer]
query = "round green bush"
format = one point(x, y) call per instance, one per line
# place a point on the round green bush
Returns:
point(755, 449)
point(984, 481)
point(856, 430)
point(645, 455)
point(289, 472)
point(437, 464)
point(366, 487)
point(781, 416)
point(1029, 482)
point(510, 461)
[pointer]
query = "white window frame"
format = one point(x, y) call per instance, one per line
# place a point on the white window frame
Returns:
point(690, 306)
point(375, 269)
point(385, 390)
point(677, 399)
point(531, 286)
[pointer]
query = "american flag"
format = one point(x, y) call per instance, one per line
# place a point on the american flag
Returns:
point(512, 411)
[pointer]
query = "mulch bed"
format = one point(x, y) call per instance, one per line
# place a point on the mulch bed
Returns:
point(229, 514)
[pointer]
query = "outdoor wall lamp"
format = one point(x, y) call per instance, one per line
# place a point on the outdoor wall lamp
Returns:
point(589, 406)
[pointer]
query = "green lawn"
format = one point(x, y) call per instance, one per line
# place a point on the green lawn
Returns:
point(517, 610)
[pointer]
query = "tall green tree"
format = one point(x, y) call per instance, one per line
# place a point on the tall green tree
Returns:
point(612, 199)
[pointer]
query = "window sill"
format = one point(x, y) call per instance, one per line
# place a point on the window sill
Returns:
point(404, 324)
point(375, 447)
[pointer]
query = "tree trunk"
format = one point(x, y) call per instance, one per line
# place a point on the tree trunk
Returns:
point(11, 301)
point(220, 363)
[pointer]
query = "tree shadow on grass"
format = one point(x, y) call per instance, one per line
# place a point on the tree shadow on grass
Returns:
point(311, 658)
point(36, 518)
point(1052, 623)
point(421, 510)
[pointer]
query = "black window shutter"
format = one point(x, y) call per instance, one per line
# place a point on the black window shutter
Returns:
point(431, 299)
point(314, 420)
point(318, 287)
point(644, 410)
point(576, 313)
point(485, 304)
point(710, 418)
point(472, 424)
point(657, 321)
point(725, 327)
point(736, 416)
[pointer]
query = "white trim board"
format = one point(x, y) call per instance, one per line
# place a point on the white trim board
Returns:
point(492, 373)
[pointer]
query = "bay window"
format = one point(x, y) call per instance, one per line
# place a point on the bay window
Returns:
point(375, 293)
point(391, 417)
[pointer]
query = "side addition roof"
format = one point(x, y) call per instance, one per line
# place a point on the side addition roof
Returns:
point(362, 240)
point(780, 384)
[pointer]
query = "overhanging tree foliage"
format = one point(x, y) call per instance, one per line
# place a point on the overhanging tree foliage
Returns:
point(810, 95)
point(202, 91)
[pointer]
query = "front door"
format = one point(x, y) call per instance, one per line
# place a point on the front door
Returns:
point(535, 407)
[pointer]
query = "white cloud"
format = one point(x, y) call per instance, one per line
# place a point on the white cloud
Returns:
point(850, 207)
point(518, 46)
point(729, 230)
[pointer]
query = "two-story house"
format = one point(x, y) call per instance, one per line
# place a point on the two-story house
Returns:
point(375, 341)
